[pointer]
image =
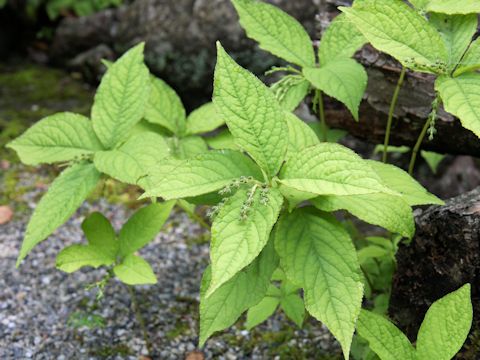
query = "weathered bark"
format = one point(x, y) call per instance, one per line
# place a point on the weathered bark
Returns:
point(444, 255)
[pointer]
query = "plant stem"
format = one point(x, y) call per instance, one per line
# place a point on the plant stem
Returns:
point(416, 148)
point(193, 215)
point(393, 105)
point(139, 318)
point(321, 114)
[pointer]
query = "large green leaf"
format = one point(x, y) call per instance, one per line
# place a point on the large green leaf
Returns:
point(134, 270)
point(100, 234)
point(446, 326)
point(331, 169)
point(471, 60)
point(342, 79)
point(461, 97)
point(236, 242)
point(131, 162)
point(200, 175)
point(60, 137)
point(300, 135)
point(246, 289)
point(400, 181)
point(165, 107)
point(251, 112)
point(275, 31)
point(204, 119)
point(341, 40)
point(384, 338)
point(388, 211)
point(398, 30)
point(121, 98)
point(453, 6)
point(143, 226)
point(63, 197)
point(317, 254)
point(262, 311)
point(457, 32)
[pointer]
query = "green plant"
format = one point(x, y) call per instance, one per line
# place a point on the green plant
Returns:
point(443, 331)
point(436, 38)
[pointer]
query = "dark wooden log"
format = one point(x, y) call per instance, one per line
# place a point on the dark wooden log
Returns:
point(444, 255)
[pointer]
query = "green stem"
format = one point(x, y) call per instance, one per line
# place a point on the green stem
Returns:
point(393, 105)
point(321, 114)
point(418, 144)
point(193, 216)
point(139, 318)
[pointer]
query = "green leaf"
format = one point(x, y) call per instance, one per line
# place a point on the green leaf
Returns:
point(388, 211)
point(131, 162)
point(134, 270)
point(446, 326)
point(343, 79)
point(433, 159)
point(290, 91)
point(317, 254)
point(74, 257)
point(398, 30)
point(333, 135)
point(251, 112)
point(100, 234)
point(397, 179)
point(165, 107)
point(204, 119)
point(60, 137)
point(388, 342)
point(236, 242)
point(202, 174)
point(454, 6)
point(457, 32)
point(371, 252)
point(331, 169)
point(143, 226)
point(187, 147)
point(300, 135)
point(63, 197)
point(341, 40)
point(121, 98)
point(461, 97)
point(275, 31)
point(294, 307)
point(246, 289)
point(222, 140)
point(261, 312)
point(471, 60)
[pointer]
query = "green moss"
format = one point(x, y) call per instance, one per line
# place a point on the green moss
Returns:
point(111, 351)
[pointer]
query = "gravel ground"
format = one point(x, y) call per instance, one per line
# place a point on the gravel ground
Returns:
point(37, 301)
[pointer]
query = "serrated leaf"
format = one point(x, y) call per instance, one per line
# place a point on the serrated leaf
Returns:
point(202, 174)
point(331, 169)
point(341, 40)
point(204, 119)
point(457, 32)
point(384, 338)
point(399, 180)
point(134, 270)
point(395, 28)
point(60, 137)
point(293, 306)
point(290, 91)
point(343, 79)
point(446, 326)
point(453, 6)
point(121, 98)
point(246, 289)
point(64, 196)
point(165, 108)
point(261, 312)
point(388, 211)
point(237, 242)
point(471, 60)
point(461, 97)
point(100, 234)
point(131, 162)
point(317, 254)
point(187, 147)
point(143, 226)
point(74, 257)
point(253, 115)
point(275, 31)
point(222, 140)
point(300, 135)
